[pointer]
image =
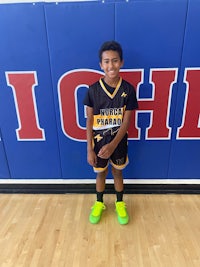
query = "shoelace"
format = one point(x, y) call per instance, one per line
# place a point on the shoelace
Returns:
point(97, 208)
point(121, 209)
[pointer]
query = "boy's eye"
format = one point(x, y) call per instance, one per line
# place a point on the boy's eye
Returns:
point(113, 61)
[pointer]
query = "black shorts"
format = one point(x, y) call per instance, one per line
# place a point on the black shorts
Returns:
point(119, 158)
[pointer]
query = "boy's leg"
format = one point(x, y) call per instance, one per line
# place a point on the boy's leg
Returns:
point(122, 214)
point(98, 206)
point(119, 183)
point(100, 183)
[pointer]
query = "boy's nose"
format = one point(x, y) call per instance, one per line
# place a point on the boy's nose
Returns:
point(110, 64)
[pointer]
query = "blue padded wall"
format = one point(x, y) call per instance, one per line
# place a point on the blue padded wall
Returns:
point(151, 41)
point(48, 58)
point(25, 48)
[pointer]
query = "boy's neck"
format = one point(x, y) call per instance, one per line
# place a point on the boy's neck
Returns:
point(112, 82)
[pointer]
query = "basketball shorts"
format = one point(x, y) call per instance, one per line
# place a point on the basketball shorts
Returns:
point(119, 158)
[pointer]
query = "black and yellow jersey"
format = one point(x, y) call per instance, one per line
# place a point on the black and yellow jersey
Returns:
point(109, 104)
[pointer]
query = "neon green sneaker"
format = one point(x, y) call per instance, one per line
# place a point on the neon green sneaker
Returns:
point(121, 211)
point(96, 212)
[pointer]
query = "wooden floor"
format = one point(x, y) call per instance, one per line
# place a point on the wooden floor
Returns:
point(53, 231)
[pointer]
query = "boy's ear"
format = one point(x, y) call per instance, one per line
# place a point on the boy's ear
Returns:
point(122, 63)
point(100, 65)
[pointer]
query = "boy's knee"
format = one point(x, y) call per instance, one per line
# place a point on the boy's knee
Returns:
point(116, 173)
point(103, 174)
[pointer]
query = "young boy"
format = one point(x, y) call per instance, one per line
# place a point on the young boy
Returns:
point(110, 102)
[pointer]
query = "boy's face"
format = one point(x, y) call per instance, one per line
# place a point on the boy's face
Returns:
point(111, 64)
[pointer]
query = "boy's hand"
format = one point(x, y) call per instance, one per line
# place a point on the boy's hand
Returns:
point(106, 151)
point(92, 158)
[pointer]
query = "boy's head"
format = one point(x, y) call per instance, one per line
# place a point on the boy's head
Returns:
point(113, 46)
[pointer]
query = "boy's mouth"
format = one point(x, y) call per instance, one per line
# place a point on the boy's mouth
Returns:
point(111, 71)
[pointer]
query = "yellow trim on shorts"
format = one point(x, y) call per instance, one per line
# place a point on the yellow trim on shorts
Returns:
point(100, 169)
point(120, 167)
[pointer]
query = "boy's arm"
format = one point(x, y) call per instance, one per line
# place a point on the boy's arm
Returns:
point(91, 156)
point(107, 150)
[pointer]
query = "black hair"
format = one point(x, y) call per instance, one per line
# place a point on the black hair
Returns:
point(111, 45)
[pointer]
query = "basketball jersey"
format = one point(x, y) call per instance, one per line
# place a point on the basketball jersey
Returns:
point(109, 107)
